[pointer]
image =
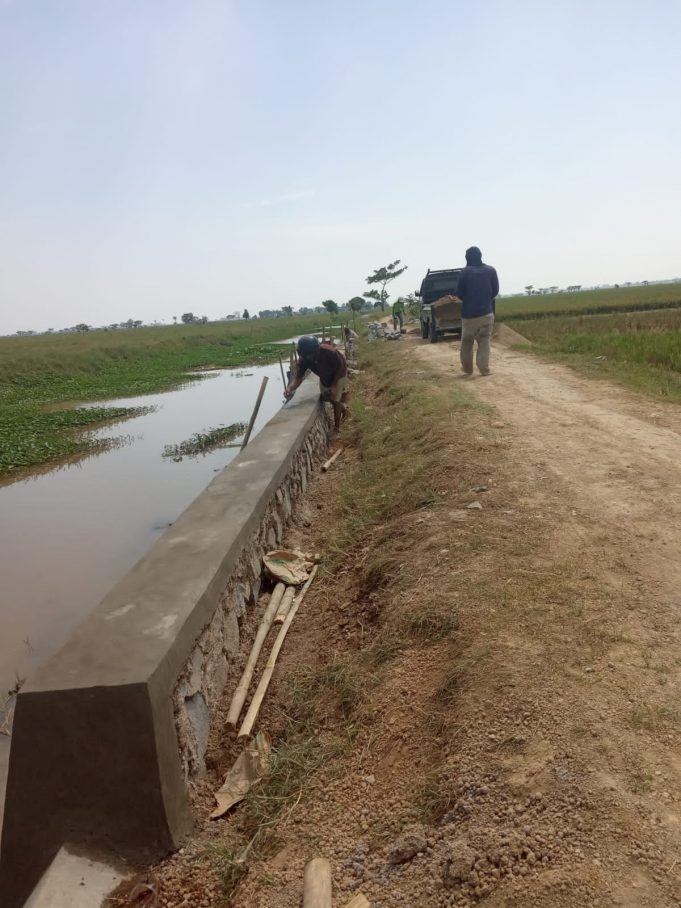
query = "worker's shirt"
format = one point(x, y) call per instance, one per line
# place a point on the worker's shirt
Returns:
point(477, 287)
point(329, 365)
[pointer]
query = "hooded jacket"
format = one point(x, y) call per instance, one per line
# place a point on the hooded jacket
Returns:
point(478, 286)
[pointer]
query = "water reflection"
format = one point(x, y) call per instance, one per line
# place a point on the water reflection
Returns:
point(68, 534)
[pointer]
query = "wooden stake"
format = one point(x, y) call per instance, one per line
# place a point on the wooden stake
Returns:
point(285, 605)
point(259, 695)
point(241, 691)
point(317, 884)
point(331, 460)
point(281, 366)
point(358, 901)
point(254, 415)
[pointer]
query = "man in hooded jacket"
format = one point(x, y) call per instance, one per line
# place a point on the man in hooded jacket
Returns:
point(477, 288)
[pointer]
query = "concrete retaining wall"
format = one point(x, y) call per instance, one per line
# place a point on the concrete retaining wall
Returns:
point(110, 732)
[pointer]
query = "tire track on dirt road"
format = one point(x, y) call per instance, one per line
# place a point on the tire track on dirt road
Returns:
point(617, 455)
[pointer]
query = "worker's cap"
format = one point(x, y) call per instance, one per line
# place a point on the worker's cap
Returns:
point(308, 345)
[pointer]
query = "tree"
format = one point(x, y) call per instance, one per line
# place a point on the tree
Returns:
point(137, 323)
point(245, 315)
point(187, 318)
point(288, 310)
point(330, 306)
point(383, 276)
point(81, 327)
point(412, 304)
point(376, 297)
point(174, 320)
point(529, 289)
point(356, 304)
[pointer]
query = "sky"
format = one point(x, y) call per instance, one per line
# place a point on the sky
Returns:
point(165, 156)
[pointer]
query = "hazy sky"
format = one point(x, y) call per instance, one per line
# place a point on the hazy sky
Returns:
point(159, 156)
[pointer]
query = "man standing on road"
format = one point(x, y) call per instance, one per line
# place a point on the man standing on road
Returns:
point(477, 288)
point(398, 314)
point(329, 364)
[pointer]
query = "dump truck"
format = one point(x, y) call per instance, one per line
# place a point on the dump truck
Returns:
point(440, 309)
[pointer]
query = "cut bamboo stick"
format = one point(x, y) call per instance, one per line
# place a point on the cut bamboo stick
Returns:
point(258, 696)
point(329, 463)
point(285, 605)
point(256, 410)
point(317, 884)
point(241, 691)
point(359, 901)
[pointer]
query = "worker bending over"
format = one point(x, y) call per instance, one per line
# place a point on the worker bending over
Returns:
point(327, 363)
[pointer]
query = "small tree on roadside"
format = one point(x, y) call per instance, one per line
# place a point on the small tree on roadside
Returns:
point(383, 276)
point(287, 310)
point(412, 304)
point(245, 315)
point(331, 307)
point(375, 298)
point(355, 305)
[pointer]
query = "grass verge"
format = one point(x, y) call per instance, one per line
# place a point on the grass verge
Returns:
point(641, 351)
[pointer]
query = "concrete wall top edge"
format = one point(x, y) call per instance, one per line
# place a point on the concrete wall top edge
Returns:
point(145, 616)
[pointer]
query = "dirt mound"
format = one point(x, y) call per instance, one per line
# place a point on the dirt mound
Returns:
point(508, 336)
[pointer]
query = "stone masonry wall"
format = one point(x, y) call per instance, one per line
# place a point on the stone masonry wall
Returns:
point(212, 664)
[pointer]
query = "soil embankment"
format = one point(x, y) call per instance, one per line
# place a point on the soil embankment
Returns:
point(478, 704)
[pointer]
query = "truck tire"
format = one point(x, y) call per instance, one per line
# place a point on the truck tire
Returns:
point(432, 332)
point(424, 330)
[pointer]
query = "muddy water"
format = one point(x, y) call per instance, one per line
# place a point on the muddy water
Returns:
point(68, 535)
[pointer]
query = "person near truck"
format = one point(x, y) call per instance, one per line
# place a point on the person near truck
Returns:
point(398, 314)
point(477, 289)
point(329, 365)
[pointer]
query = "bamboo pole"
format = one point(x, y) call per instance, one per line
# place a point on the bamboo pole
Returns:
point(317, 884)
point(358, 901)
point(241, 691)
point(330, 462)
point(285, 605)
point(254, 414)
point(259, 695)
point(281, 366)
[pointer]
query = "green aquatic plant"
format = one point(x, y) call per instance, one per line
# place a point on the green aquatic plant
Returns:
point(203, 442)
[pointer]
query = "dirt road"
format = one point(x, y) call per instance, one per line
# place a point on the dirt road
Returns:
point(617, 456)
point(601, 468)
